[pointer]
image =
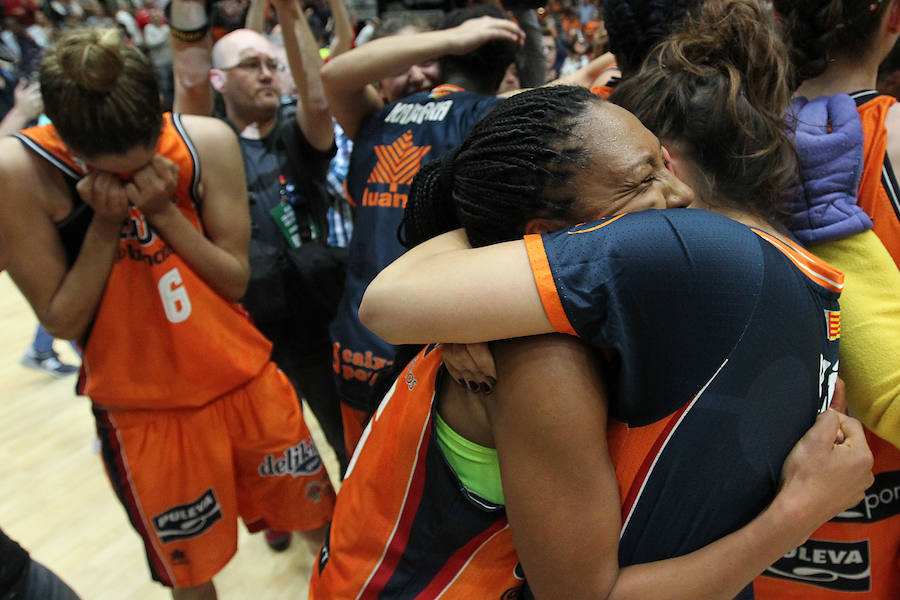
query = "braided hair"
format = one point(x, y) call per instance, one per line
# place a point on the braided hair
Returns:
point(815, 30)
point(515, 165)
point(635, 26)
point(717, 90)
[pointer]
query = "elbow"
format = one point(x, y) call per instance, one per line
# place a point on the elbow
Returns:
point(327, 75)
point(236, 290)
point(317, 104)
point(374, 313)
point(70, 331)
point(234, 287)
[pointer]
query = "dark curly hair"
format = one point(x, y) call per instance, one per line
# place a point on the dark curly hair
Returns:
point(485, 66)
point(816, 29)
point(635, 26)
point(717, 90)
point(516, 164)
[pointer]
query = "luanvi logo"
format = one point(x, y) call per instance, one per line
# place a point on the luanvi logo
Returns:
point(388, 183)
point(838, 566)
point(882, 501)
point(188, 520)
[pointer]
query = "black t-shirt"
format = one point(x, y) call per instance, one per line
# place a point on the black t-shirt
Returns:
point(284, 166)
point(14, 561)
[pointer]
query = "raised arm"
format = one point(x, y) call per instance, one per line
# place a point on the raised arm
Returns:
point(28, 106)
point(347, 78)
point(64, 298)
point(313, 115)
point(455, 293)
point(548, 419)
point(256, 16)
point(191, 57)
point(343, 28)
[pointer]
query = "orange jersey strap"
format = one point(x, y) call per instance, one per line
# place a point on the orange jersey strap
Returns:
point(879, 192)
point(816, 269)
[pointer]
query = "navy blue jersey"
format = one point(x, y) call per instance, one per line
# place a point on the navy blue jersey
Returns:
point(387, 152)
point(727, 343)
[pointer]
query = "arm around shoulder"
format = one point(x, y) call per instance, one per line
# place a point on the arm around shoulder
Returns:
point(443, 290)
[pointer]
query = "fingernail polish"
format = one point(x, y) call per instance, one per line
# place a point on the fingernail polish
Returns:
point(485, 388)
point(473, 387)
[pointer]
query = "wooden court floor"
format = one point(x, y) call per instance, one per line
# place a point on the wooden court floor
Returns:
point(55, 499)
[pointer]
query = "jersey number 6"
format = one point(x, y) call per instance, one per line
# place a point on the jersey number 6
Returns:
point(174, 297)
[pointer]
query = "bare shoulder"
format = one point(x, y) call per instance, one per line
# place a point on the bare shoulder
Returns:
point(217, 149)
point(15, 157)
point(208, 132)
point(892, 124)
point(31, 182)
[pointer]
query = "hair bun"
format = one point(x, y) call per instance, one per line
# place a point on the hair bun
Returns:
point(734, 38)
point(93, 59)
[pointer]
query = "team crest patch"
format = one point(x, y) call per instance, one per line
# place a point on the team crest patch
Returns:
point(833, 324)
point(188, 520)
point(314, 491)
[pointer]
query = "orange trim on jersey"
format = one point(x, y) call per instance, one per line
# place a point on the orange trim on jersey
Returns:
point(876, 194)
point(602, 91)
point(819, 271)
point(444, 89)
point(659, 433)
point(543, 278)
point(458, 561)
point(575, 229)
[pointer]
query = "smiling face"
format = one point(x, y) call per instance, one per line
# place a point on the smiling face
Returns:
point(628, 170)
point(246, 73)
point(417, 78)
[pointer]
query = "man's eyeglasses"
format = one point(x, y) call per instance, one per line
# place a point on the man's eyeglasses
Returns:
point(254, 63)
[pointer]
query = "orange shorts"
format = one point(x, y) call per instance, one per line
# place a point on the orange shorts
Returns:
point(185, 475)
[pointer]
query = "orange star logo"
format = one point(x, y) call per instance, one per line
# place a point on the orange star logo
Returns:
point(398, 163)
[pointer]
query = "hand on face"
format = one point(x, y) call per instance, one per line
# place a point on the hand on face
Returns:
point(105, 193)
point(150, 189)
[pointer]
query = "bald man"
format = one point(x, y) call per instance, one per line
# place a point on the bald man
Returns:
point(286, 152)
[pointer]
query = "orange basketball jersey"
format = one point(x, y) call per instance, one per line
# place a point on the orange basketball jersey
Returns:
point(879, 193)
point(857, 554)
point(162, 337)
point(404, 526)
